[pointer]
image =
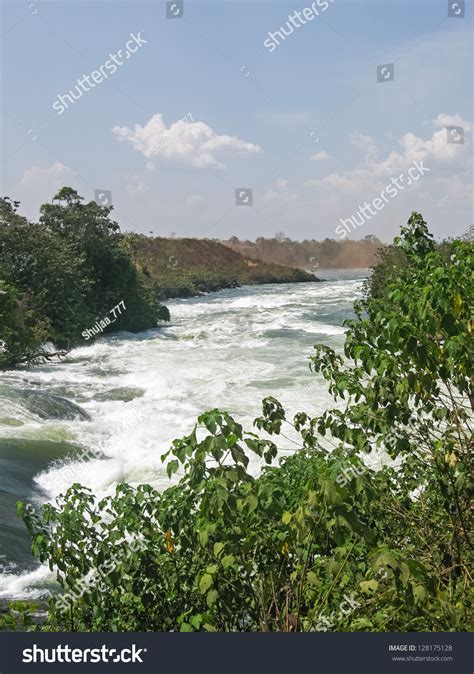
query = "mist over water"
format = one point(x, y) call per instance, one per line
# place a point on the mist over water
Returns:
point(139, 392)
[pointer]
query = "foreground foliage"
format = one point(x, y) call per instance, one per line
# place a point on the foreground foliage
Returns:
point(320, 541)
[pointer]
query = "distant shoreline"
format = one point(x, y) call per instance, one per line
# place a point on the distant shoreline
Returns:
point(180, 268)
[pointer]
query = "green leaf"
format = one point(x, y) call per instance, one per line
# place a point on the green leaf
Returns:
point(172, 467)
point(185, 627)
point(361, 623)
point(211, 598)
point(252, 502)
point(385, 559)
point(368, 586)
point(312, 578)
point(228, 561)
point(209, 628)
point(196, 621)
point(419, 593)
point(205, 583)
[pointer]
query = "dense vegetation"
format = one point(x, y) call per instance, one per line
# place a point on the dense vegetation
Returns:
point(310, 254)
point(67, 272)
point(187, 267)
point(321, 540)
point(61, 275)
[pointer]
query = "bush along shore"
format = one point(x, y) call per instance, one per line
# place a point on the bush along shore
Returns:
point(61, 275)
point(73, 276)
point(320, 539)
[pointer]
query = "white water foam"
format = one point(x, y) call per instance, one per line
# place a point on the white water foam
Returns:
point(226, 350)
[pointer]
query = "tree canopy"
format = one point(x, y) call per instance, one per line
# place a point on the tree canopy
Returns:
point(64, 273)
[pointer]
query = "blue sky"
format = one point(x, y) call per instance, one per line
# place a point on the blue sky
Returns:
point(306, 125)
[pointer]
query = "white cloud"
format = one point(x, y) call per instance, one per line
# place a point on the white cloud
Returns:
point(282, 193)
point(39, 185)
point(366, 144)
point(189, 142)
point(48, 178)
point(444, 120)
point(454, 189)
point(373, 172)
point(335, 181)
point(320, 156)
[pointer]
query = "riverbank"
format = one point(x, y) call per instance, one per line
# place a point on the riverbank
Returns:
point(310, 255)
point(181, 268)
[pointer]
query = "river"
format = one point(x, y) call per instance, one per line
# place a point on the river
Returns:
point(139, 392)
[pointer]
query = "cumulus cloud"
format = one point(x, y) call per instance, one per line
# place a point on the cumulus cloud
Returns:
point(320, 156)
point(335, 181)
point(39, 185)
point(189, 142)
point(373, 171)
point(48, 178)
point(454, 189)
point(366, 144)
point(444, 120)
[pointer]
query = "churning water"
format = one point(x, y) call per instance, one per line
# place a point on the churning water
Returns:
point(124, 398)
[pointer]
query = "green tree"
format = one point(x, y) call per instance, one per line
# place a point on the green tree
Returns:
point(63, 274)
point(98, 239)
point(21, 331)
point(48, 272)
